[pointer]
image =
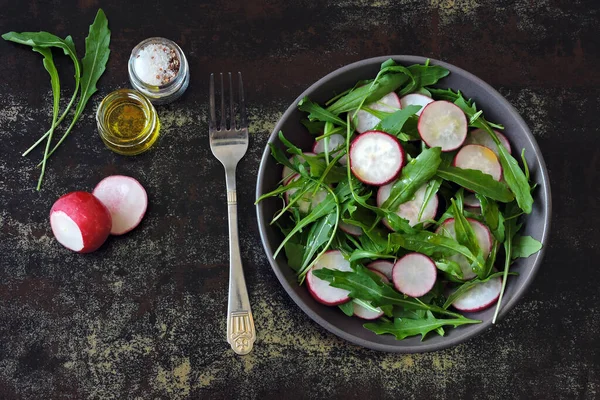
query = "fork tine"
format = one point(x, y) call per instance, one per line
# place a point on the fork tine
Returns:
point(223, 117)
point(242, 106)
point(211, 100)
point(232, 111)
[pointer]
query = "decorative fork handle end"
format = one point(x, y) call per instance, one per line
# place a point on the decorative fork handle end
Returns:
point(240, 331)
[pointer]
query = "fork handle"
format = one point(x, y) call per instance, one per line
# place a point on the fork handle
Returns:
point(240, 324)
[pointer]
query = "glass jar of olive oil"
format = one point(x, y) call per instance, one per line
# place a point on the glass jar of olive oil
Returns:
point(127, 122)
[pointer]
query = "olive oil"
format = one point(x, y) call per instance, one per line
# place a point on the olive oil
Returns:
point(127, 122)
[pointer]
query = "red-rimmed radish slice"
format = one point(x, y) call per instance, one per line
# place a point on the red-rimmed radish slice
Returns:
point(376, 158)
point(80, 221)
point(125, 198)
point(443, 124)
point(308, 201)
point(481, 137)
point(385, 267)
point(415, 99)
point(474, 156)
point(471, 201)
point(480, 296)
point(320, 289)
point(288, 173)
point(382, 277)
point(365, 313)
point(414, 274)
point(366, 121)
point(350, 229)
point(484, 239)
point(336, 141)
point(410, 209)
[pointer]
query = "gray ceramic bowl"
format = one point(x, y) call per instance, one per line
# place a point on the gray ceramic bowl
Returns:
point(496, 109)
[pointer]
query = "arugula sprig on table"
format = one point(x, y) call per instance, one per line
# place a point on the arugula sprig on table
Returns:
point(93, 63)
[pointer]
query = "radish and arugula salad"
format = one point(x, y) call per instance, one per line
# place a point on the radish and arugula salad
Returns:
point(406, 210)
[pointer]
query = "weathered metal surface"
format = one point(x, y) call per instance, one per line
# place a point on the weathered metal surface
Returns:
point(144, 317)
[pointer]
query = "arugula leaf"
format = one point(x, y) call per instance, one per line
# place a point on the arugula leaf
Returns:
point(451, 268)
point(314, 127)
point(426, 75)
point(466, 237)
point(291, 148)
point(374, 245)
point(405, 327)
point(465, 287)
point(524, 246)
point(361, 285)
point(492, 216)
point(432, 188)
point(94, 64)
point(294, 249)
point(525, 165)
point(319, 234)
point(399, 224)
point(477, 181)
point(318, 113)
point(431, 244)
point(491, 260)
point(55, 83)
point(347, 308)
point(434, 184)
point(413, 176)
point(511, 226)
point(319, 168)
point(393, 123)
point(513, 174)
point(47, 40)
point(368, 93)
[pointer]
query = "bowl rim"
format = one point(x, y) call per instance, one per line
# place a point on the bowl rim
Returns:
point(476, 329)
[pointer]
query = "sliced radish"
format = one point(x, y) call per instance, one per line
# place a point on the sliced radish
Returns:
point(484, 239)
point(365, 313)
point(125, 198)
point(414, 274)
point(376, 158)
point(288, 173)
point(443, 124)
point(471, 201)
point(336, 142)
point(366, 121)
point(308, 201)
point(480, 296)
point(481, 137)
point(80, 222)
point(320, 289)
point(385, 267)
point(350, 229)
point(410, 209)
point(381, 276)
point(415, 99)
point(474, 156)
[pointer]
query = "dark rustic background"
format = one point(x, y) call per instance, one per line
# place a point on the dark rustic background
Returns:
point(143, 318)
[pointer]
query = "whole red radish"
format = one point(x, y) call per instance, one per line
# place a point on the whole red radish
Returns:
point(80, 222)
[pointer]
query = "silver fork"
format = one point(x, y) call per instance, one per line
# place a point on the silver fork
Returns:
point(229, 146)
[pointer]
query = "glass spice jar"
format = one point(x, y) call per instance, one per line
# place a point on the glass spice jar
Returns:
point(159, 70)
point(127, 122)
